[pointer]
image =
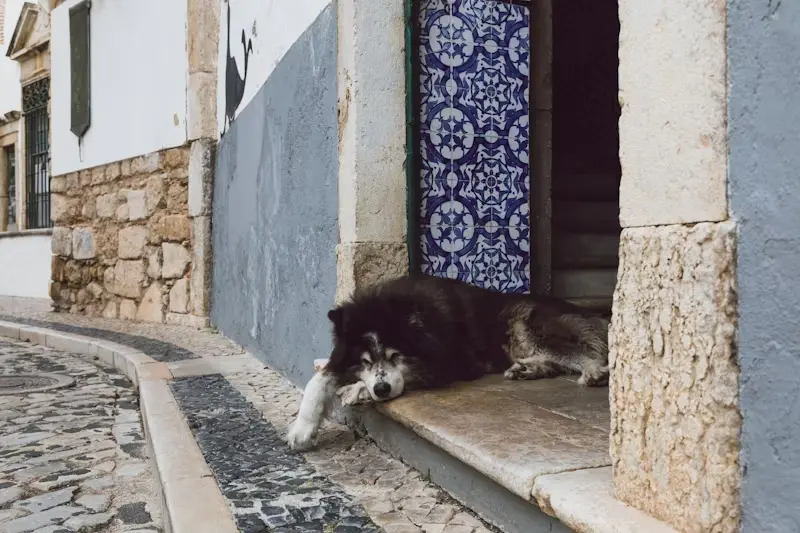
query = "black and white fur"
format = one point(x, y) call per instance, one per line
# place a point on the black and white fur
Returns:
point(426, 332)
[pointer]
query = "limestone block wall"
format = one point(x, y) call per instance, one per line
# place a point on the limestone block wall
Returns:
point(123, 240)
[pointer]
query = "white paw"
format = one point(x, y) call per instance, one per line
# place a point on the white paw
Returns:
point(301, 435)
point(594, 377)
point(354, 394)
point(514, 371)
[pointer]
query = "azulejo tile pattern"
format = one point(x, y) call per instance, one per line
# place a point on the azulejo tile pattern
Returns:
point(474, 71)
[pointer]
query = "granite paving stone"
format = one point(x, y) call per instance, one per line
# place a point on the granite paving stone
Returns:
point(96, 503)
point(46, 501)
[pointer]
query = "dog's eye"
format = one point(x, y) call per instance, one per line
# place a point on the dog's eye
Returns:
point(366, 359)
point(391, 354)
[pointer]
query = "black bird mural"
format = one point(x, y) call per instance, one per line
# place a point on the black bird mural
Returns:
point(234, 82)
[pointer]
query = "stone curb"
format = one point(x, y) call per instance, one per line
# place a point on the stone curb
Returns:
point(191, 499)
point(135, 365)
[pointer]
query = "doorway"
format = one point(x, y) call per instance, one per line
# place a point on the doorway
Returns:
point(494, 208)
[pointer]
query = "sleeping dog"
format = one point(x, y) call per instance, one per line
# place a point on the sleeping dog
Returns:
point(427, 332)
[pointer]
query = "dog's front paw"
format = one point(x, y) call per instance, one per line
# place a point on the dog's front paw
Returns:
point(595, 376)
point(301, 435)
point(354, 394)
point(514, 371)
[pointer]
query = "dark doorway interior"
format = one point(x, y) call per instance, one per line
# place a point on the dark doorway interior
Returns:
point(586, 170)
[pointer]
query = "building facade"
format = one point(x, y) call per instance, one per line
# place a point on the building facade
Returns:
point(581, 150)
point(131, 157)
point(629, 157)
point(25, 225)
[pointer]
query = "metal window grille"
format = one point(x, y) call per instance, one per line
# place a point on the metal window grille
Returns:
point(35, 97)
point(11, 167)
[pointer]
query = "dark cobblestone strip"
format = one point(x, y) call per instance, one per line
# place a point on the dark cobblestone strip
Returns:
point(164, 352)
point(268, 487)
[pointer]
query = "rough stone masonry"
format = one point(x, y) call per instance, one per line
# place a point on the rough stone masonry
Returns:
point(124, 245)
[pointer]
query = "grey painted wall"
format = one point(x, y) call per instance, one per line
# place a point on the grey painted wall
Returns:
point(764, 125)
point(275, 210)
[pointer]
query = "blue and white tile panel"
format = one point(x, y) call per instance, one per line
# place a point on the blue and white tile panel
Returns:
point(474, 57)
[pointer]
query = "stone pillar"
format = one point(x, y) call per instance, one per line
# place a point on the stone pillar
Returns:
point(203, 46)
point(675, 420)
point(4, 177)
point(372, 143)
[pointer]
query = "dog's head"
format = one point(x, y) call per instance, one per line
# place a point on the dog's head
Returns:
point(367, 347)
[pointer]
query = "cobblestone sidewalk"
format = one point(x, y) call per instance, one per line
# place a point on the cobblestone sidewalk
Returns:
point(395, 496)
point(72, 459)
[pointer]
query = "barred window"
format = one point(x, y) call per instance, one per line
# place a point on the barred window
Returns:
point(35, 97)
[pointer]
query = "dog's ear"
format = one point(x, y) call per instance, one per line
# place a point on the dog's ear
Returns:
point(339, 318)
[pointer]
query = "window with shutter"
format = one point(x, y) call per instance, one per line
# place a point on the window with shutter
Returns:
point(80, 68)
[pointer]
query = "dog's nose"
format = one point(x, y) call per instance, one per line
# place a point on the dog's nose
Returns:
point(382, 389)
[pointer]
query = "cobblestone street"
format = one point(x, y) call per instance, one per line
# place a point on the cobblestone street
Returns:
point(72, 459)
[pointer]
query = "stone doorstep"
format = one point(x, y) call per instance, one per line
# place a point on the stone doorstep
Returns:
point(545, 441)
point(183, 475)
point(583, 501)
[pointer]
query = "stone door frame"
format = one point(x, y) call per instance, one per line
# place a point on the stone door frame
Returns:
point(673, 151)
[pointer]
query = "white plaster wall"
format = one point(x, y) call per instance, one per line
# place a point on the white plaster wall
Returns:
point(25, 266)
point(139, 68)
point(10, 92)
point(273, 26)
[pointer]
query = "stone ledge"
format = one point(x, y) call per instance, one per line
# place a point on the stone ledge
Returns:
point(25, 233)
point(582, 500)
point(184, 478)
point(512, 432)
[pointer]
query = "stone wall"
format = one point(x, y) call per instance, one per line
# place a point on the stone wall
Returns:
point(675, 421)
point(123, 240)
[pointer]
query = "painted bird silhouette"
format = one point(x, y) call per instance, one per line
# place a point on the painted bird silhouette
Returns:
point(234, 82)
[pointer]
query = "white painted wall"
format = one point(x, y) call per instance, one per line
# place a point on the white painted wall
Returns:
point(139, 68)
point(25, 265)
point(273, 26)
point(10, 91)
